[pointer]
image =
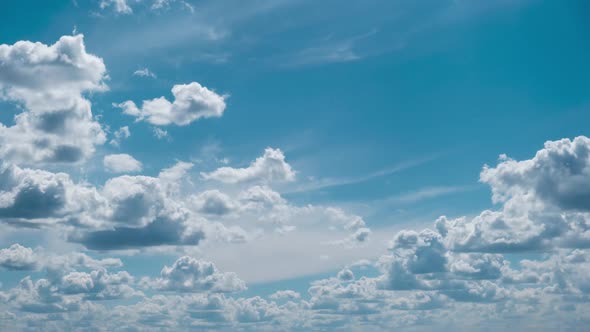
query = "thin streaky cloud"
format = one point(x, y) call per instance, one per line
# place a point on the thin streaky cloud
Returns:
point(428, 193)
point(330, 183)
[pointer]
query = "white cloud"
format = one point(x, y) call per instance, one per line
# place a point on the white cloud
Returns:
point(119, 135)
point(191, 103)
point(558, 175)
point(17, 257)
point(188, 274)
point(270, 167)
point(121, 163)
point(160, 133)
point(119, 6)
point(213, 202)
point(30, 196)
point(285, 295)
point(57, 123)
point(144, 72)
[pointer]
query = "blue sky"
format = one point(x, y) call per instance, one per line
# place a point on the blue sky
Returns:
point(162, 155)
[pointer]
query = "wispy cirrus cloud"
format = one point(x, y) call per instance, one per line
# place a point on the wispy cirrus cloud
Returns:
point(326, 183)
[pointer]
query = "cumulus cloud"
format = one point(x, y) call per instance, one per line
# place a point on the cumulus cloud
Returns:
point(64, 288)
point(17, 257)
point(128, 211)
point(558, 175)
point(188, 274)
point(121, 163)
point(32, 196)
point(270, 167)
point(191, 102)
point(49, 81)
point(144, 211)
point(213, 202)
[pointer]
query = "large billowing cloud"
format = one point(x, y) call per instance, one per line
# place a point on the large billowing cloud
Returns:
point(49, 81)
point(191, 102)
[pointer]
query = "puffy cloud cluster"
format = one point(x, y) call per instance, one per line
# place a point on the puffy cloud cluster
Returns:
point(66, 284)
point(264, 209)
point(191, 103)
point(142, 211)
point(127, 212)
point(464, 266)
point(56, 125)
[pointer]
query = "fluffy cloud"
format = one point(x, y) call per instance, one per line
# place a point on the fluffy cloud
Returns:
point(127, 212)
point(270, 167)
point(144, 211)
point(48, 80)
point(544, 203)
point(558, 175)
point(191, 103)
point(188, 274)
point(17, 257)
point(32, 196)
point(121, 163)
point(65, 288)
point(213, 202)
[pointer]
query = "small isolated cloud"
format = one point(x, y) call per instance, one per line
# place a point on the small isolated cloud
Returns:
point(119, 6)
point(191, 103)
point(121, 163)
point(144, 72)
point(119, 135)
point(160, 133)
point(270, 167)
